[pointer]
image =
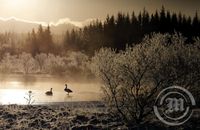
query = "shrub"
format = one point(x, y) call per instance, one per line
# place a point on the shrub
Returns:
point(132, 78)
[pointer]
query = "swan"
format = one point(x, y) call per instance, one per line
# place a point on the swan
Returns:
point(49, 93)
point(67, 90)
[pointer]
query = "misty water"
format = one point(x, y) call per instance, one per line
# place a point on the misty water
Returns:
point(13, 89)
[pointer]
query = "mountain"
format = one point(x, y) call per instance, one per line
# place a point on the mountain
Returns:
point(23, 26)
point(62, 28)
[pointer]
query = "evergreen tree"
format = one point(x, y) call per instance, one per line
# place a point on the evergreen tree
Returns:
point(117, 32)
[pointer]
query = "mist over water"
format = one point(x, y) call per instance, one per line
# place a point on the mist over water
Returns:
point(13, 89)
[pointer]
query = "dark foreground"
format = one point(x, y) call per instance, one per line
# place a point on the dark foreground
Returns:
point(57, 118)
point(64, 117)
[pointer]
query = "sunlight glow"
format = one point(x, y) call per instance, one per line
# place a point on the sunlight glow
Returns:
point(12, 96)
point(14, 83)
point(16, 3)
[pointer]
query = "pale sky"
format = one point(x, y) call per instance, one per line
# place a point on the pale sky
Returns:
point(81, 10)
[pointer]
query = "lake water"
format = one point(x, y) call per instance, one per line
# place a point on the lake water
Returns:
point(13, 89)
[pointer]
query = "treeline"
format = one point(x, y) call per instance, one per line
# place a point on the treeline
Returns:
point(40, 41)
point(116, 32)
point(73, 64)
point(124, 29)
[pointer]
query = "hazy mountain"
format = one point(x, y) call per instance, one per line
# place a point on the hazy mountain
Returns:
point(21, 26)
point(62, 28)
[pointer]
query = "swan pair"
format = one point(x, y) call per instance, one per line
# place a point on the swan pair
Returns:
point(50, 93)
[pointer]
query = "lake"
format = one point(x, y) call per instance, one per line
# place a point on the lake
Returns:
point(13, 89)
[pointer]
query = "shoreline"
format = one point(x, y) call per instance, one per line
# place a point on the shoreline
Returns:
point(57, 117)
point(63, 117)
point(76, 104)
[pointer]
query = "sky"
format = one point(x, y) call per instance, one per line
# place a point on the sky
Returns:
point(82, 10)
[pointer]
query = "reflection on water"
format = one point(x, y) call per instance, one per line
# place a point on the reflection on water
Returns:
point(14, 88)
point(11, 96)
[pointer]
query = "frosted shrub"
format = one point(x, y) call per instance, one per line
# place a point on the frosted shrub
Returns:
point(77, 62)
point(74, 62)
point(54, 64)
point(133, 78)
point(27, 63)
point(29, 98)
point(8, 63)
point(41, 61)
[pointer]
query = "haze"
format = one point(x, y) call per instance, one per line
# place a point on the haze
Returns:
point(81, 10)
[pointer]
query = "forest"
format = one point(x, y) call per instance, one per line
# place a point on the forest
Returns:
point(41, 51)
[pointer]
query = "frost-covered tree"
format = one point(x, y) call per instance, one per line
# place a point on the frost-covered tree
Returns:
point(133, 78)
point(41, 60)
point(27, 63)
point(54, 64)
point(8, 63)
point(77, 65)
point(77, 59)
